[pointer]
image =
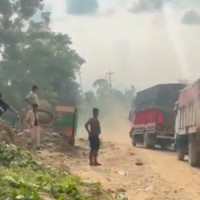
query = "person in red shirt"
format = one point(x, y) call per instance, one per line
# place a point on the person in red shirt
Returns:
point(93, 128)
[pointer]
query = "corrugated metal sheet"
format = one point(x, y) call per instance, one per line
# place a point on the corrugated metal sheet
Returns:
point(161, 96)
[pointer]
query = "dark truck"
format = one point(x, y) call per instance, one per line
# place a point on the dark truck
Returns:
point(153, 120)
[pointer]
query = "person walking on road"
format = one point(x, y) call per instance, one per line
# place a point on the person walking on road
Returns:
point(34, 127)
point(93, 128)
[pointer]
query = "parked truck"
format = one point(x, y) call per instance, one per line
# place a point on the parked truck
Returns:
point(154, 116)
point(188, 124)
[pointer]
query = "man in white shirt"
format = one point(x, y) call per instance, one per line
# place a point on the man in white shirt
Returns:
point(32, 97)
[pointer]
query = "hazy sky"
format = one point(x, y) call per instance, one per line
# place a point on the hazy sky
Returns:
point(143, 41)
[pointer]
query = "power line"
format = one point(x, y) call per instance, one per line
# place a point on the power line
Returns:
point(110, 74)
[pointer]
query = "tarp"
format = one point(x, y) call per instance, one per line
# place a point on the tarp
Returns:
point(162, 97)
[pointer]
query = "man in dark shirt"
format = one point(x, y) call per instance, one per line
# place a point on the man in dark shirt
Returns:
point(5, 106)
point(93, 129)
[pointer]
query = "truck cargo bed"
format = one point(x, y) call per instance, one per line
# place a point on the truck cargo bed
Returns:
point(161, 96)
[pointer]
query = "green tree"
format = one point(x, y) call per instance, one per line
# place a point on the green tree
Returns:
point(102, 87)
point(33, 54)
point(110, 101)
point(90, 98)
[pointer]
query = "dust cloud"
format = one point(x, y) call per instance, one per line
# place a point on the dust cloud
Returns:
point(115, 125)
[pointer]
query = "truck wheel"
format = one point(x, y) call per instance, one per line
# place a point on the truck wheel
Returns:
point(180, 154)
point(193, 155)
point(193, 151)
point(134, 142)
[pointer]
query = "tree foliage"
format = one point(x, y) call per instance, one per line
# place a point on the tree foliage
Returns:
point(102, 87)
point(31, 53)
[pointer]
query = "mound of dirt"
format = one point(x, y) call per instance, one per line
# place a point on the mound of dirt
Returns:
point(9, 135)
point(45, 113)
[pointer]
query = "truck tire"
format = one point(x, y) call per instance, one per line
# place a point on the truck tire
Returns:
point(134, 142)
point(193, 157)
point(180, 154)
point(193, 152)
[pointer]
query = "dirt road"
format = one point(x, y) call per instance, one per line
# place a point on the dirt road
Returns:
point(160, 177)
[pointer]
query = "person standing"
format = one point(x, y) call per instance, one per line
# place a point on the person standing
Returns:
point(32, 97)
point(93, 128)
point(34, 127)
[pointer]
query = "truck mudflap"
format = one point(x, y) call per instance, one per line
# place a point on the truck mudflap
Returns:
point(181, 141)
point(150, 139)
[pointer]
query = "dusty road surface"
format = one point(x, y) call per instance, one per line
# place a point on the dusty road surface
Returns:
point(158, 177)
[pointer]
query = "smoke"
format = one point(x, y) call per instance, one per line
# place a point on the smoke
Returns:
point(113, 118)
point(82, 7)
point(116, 126)
point(147, 6)
point(191, 17)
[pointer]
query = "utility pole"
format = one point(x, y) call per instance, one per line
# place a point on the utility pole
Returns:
point(110, 74)
point(81, 85)
point(133, 97)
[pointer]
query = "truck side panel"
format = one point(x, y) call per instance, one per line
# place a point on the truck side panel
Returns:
point(187, 136)
point(189, 95)
point(189, 116)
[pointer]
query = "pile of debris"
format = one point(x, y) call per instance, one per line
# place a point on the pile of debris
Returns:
point(7, 134)
point(23, 177)
point(11, 135)
point(45, 113)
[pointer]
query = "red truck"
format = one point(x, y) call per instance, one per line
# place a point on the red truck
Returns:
point(153, 120)
point(188, 124)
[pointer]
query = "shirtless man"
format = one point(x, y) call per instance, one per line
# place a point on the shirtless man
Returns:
point(93, 128)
